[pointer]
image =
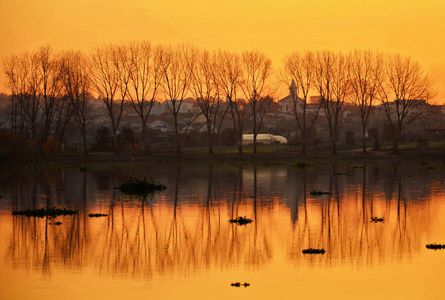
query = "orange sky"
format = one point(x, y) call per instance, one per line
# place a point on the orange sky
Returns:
point(277, 27)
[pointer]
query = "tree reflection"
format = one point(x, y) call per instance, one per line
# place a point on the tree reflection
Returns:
point(185, 229)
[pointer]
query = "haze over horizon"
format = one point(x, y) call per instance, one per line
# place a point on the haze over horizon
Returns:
point(411, 28)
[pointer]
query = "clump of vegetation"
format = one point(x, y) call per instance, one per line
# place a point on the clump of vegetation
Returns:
point(97, 215)
point(238, 284)
point(319, 193)
point(50, 212)
point(15, 147)
point(435, 246)
point(241, 221)
point(302, 164)
point(140, 186)
point(377, 220)
point(313, 251)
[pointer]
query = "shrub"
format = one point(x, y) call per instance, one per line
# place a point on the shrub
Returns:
point(140, 186)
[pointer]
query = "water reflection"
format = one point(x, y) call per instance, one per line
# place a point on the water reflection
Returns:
point(185, 229)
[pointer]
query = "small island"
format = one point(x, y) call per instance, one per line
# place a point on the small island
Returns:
point(141, 186)
point(313, 251)
point(241, 221)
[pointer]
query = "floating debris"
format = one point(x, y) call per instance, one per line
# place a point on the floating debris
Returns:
point(140, 186)
point(435, 246)
point(313, 251)
point(58, 223)
point(239, 284)
point(241, 221)
point(377, 220)
point(319, 193)
point(97, 215)
point(50, 212)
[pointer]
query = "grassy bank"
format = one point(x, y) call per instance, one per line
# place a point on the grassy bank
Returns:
point(267, 155)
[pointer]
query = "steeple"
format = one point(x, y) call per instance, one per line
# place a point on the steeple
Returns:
point(293, 90)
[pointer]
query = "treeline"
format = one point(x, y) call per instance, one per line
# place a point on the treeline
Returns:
point(398, 84)
point(50, 88)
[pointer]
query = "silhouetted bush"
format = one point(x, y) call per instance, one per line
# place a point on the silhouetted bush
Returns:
point(376, 142)
point(13, 146)
point(102, 140)
point(127, 140)
point(228, 137)
point(51, 146)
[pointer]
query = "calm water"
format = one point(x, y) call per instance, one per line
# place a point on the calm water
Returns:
point(178, 244)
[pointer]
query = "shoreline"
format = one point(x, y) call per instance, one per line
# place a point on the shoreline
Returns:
point(200, 157)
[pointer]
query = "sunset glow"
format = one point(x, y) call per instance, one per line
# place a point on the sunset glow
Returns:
point(276, 28)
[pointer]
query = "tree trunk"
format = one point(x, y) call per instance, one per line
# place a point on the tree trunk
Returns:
point(144, 138)
point(115, 144)
point(254, 129)
point(240, 142)
point(395, 144)
point(304, 138)
point(210, 136)
point(364, 137)
point(332, 140)
point(177, 141)
point(85, 144)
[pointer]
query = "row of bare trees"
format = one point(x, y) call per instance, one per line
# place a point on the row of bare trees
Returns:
point(398, 84)
point(49, 88)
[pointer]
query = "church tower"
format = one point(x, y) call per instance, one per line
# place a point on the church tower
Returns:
point(293, 90)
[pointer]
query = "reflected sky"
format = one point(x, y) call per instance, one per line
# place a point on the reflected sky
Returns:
point(180, 243)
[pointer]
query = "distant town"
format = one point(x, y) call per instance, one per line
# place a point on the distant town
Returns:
point(279, 120)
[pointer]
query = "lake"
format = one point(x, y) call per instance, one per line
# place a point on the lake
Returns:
point(373, 220)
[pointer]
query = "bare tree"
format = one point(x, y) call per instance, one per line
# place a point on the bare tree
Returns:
point(299, 70)
point(208, 95)
point(332, 83)
point(176, 71)
point(404, 93)
point(23, 82)
point(77, 87)
point(365, 72)
point(255, 82)
point(141, 63)
point(37, 102)
point(106, 78)
point(50, 72)
point(229, 76)
point(261, 109)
